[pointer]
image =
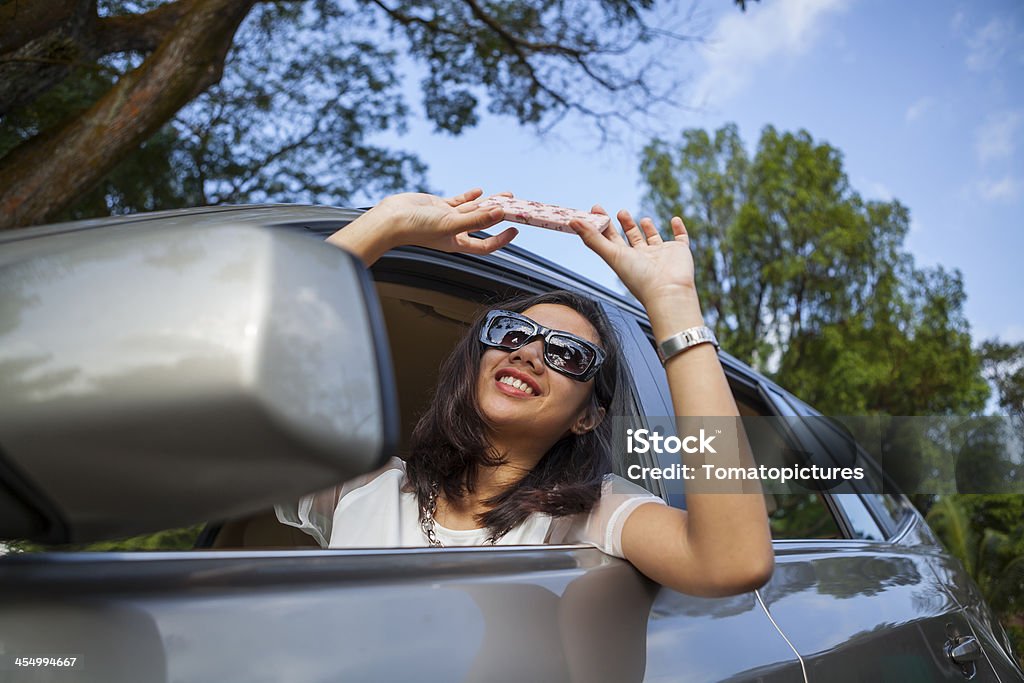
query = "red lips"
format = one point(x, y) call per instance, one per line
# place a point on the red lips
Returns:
point(521, 376)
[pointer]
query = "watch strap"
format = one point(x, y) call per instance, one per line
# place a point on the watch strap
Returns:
point(687, 339)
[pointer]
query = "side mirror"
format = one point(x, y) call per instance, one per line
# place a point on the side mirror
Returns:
point(165, 373)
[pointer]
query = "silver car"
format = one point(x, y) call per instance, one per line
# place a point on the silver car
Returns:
point(196, 367)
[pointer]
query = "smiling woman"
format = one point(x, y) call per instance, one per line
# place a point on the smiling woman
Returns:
point(515, 447)
point(513, 450)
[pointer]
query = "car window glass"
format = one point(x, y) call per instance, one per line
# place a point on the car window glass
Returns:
point(856, 510)
point(890, 508)
point(791, 515)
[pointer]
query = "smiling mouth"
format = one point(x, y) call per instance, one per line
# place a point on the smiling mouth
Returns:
point(513, 384)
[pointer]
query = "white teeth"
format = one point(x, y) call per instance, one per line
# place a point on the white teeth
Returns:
point(517, 383)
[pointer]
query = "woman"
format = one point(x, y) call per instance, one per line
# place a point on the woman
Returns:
point(514, 449)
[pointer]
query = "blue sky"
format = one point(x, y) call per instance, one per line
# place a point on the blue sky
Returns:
point(926, 101)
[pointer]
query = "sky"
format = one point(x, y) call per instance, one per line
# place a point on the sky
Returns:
point(925, 100)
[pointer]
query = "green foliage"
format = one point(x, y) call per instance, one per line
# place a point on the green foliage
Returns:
point(1004, 367)
point(804, 279)
point(169, 539)
point(986, 533)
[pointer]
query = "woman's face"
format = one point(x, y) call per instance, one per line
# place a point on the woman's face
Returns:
point(554, 404)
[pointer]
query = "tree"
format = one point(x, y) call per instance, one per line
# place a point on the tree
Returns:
point(1004, 367)
point(161, 103)
point(801, 277)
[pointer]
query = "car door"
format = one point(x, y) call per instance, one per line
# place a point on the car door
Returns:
point(866, 607)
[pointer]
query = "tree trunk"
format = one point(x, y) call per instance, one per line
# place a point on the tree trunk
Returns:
point(49, 172)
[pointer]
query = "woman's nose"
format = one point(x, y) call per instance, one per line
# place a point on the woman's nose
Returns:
point(532, 353)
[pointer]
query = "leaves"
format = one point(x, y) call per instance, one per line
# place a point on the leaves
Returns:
point(805, 280)
point(1004, 366)
point(986, 533)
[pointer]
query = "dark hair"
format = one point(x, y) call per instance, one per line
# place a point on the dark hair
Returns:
point(448, 444)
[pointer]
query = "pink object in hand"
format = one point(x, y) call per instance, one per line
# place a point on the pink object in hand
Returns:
point(544, 215)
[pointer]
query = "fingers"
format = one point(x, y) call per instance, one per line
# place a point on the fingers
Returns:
point(467, 196)
point(611, 232)
point(470, 195)
point(471, 216)
point(679, 230)
point(595, 239)
point(475, 245)
point(650, 232)
point(468, 207)
point(632, 230)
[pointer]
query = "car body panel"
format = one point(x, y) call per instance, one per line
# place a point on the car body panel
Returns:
point(477, 614)
point(889, 618)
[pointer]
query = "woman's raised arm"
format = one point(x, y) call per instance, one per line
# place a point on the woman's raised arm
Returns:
point(722, 544)
point(423, 220)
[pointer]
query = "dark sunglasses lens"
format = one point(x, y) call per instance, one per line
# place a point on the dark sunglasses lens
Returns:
point(568, 354)
point(510, 332)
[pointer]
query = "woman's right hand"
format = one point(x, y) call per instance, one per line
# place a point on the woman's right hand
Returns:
point(423, 220)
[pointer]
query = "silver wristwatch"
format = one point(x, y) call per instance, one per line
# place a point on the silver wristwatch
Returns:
point(686, 339)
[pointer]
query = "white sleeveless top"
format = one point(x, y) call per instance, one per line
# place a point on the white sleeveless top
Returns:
point(372, 511)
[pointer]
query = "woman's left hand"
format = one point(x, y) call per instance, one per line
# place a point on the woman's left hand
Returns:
point(649, 266)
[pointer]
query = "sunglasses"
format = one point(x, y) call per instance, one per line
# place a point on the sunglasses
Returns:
point(564, 352)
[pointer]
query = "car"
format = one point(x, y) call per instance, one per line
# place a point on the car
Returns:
point(198, 366)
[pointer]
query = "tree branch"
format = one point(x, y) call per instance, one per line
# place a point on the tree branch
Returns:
point(512, 39)
point(139, 32)
point(408, 19)
point(45, 174)
point(61, 62)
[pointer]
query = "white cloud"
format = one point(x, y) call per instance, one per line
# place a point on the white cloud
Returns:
point(740, 41)
point(1007, 188)
point(988, 44)
point(918, 108)
point(995, 139)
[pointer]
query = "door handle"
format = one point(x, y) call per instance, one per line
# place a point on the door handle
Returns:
point(964, 651)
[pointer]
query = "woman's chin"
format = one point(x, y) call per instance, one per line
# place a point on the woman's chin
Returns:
point(502, 414)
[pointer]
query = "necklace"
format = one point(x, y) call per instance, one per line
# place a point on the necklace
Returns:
point(427, 525)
